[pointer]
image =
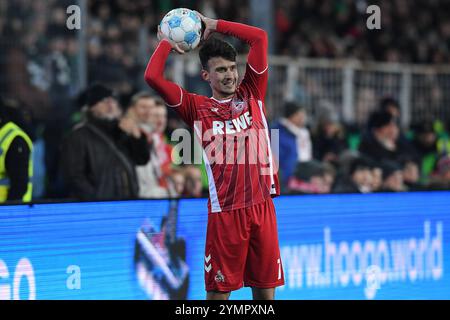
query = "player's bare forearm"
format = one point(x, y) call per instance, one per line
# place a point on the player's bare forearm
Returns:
point(154, 74)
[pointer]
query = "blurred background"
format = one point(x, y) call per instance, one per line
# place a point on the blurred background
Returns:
point(357, 110)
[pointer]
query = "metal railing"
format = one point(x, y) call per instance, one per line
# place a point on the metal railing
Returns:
point(349, 88)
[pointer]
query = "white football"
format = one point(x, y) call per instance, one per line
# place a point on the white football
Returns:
point(182, 26)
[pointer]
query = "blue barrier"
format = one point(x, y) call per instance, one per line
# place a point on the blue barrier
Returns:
point(378, 246)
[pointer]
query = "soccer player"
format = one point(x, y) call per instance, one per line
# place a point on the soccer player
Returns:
point(242, 241)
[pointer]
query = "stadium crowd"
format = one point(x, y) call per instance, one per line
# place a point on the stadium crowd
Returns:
point(42, 93)
point(412, 31)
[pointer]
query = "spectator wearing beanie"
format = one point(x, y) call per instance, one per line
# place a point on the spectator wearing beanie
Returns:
point(328, 138)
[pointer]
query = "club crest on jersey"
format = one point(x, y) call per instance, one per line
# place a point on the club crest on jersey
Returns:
point(219, 277)
point(238, 106)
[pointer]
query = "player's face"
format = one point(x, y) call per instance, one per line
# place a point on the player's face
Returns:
point(222, 75)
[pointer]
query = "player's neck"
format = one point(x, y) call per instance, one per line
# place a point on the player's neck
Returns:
point(220, 96)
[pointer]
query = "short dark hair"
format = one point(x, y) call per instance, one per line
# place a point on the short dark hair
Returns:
point(214, 47)
point(390, 167)
point(291, 107)
point(388, 102)
point(380, 119)
point(360, 163)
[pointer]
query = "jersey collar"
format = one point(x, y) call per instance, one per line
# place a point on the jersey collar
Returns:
point(222, 101)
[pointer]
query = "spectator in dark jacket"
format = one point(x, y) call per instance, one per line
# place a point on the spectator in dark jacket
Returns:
point(328, 139)
point(100, 154)
point(392, 106)
point(381, 142)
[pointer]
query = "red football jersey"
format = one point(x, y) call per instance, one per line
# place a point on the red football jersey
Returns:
point(233, 133)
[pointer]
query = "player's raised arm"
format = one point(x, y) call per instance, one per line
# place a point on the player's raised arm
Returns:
point(255, 37)
point(154, 74)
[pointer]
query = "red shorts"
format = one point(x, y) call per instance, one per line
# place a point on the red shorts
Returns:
point(242, 249)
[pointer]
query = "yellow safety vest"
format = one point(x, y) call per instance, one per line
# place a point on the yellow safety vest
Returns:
point(7, 134)
point(443, 146)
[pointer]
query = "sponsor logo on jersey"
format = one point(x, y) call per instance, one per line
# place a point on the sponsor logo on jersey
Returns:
point(233, 126)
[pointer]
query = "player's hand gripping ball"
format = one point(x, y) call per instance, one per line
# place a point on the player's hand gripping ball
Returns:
point(183, 27)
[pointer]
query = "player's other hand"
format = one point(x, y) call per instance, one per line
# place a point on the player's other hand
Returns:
point(175, 46)
point(209, 24)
